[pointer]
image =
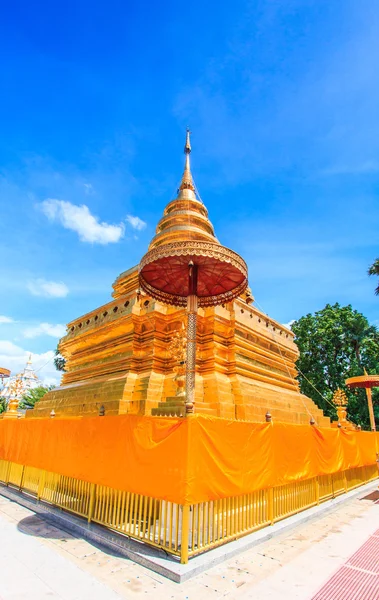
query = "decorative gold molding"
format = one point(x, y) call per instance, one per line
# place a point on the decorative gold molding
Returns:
point(191, 248)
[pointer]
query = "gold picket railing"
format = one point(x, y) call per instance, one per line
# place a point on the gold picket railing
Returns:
point(182, 531)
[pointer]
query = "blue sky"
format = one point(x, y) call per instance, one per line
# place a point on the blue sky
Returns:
point(282, 99)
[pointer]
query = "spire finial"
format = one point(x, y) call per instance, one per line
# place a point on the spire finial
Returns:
point(187, 147)
point(187, 181)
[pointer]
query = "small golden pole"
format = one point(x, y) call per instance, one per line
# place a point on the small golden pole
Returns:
point(191, 338)
point(370, 409)
point(185, 535)
point(91, 502)
point(370, 406)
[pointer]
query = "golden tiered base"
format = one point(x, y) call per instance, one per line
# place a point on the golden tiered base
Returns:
point(119, 361)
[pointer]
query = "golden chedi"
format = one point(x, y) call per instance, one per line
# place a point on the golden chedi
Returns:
point(119, 357)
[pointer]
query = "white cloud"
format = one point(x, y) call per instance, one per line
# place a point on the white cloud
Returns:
point(79, 219)
point(14, 357)
point(4, 319)
point(56, 331)
point(289, 324)
point(88, 188)
point(49, 289)
point(8, 348)
point(136, 222)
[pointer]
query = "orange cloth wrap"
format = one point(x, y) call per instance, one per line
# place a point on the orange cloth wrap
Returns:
point(183, 460)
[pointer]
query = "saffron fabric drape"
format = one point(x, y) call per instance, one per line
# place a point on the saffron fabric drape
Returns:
point(186, 461)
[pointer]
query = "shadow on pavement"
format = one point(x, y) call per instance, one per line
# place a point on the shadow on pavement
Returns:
point(37, 526)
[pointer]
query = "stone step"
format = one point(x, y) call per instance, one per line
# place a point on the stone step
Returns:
point(168, 411)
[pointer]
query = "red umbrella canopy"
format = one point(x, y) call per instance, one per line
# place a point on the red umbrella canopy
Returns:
point(221, 273)
point(363, 381)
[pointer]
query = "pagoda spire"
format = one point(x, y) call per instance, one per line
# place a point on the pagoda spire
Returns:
point(185, 218)
point(187, 181)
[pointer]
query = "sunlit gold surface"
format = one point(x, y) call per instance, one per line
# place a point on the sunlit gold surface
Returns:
point(245, 362)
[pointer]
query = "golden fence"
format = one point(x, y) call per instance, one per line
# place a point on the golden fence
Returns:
point(182, 531)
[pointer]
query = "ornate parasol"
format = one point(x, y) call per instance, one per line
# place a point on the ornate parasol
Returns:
point(368, 382)
point(187, 266)
point(4, 373)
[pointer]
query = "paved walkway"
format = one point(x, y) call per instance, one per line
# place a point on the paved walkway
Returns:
point(358, 578)
point(40, 561)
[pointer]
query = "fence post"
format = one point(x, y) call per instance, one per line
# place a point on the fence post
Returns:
point(7, 475)
point(271, 516)
point(22, 478)
point(185, 535)
point(41, 485)
point(91, 501)
point(317, 490)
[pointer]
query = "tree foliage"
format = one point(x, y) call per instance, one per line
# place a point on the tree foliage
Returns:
point(32, 396)
point(374, 270)
point(3, 404)
point(335, 343)
point(59, 361)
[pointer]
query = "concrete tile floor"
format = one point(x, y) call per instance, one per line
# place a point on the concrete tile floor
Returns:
point(39, 560)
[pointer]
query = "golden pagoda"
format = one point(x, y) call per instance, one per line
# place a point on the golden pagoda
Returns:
point(119, 357)
point(185, 485)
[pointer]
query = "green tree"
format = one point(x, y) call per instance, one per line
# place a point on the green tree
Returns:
point(335, 343)
point(3, 404)
point(59, 361)
point(374, 270)
point(29, 399)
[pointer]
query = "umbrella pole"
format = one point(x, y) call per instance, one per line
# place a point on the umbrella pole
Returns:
point(370, 409)
point(191, 338)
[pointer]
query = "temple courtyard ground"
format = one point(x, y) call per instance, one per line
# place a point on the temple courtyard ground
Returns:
point(333, 556)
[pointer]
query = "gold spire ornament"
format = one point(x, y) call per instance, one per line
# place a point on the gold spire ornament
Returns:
point(187, 181)
point(340, 400)
point(185, 219)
